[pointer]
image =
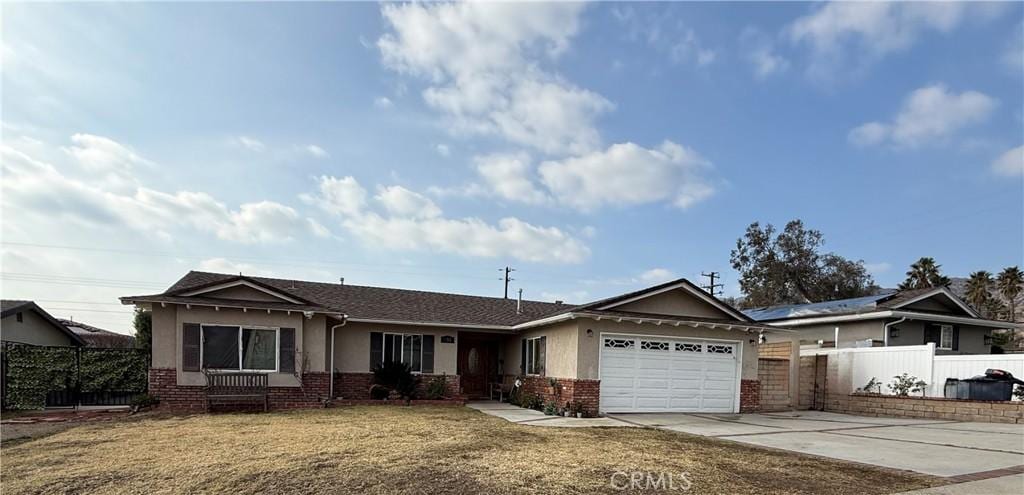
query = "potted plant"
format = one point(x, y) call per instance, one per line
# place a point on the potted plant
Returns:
point(550, 408)
point(577, 408)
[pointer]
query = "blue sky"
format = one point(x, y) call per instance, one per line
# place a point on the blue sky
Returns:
point(595, 148)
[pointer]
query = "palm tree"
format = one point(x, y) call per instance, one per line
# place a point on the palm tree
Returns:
point(978, 286)
point(924, 273)
point(1010, 283)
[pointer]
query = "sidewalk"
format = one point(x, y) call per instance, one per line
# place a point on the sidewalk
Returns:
point(516, 414)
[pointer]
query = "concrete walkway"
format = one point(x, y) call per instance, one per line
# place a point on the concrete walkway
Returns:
point(530, 417)
point(939, 448)
point(1006, 485)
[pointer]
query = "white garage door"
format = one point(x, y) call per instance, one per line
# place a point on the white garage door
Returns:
point(664, 374)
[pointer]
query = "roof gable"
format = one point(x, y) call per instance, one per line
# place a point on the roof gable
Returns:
point(678, 298)
point(935, 299)
point(10, 307)
point(240, 288)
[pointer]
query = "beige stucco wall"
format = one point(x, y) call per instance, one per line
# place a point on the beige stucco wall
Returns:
point(590, 346)
point(561, 350)
point(849, 332)
point(33, 329)
point(244, 293)
point(167, 337)
point(352, 346)
point(677, 302)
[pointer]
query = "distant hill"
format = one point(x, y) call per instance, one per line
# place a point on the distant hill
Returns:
point(959, 287)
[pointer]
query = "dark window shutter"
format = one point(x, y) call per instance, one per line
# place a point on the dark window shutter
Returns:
point(190, 340)
point(522, 359)
point(932, 333)
point(287, 350)
point(376, 349)
point(428, 353)
point(542, 352)
point(956, 338)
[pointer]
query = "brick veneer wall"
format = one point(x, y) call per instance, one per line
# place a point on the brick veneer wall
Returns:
point(356, 386)
point(163, 383)
point(587, 392)
point(927, 407)
point(773, 373)
point(777, 350)
point(750, 396)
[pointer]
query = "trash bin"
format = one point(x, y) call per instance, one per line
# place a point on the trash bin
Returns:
point(950, 389)
point(984, 388)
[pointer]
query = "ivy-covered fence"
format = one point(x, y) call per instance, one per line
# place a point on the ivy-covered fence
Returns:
point(71, 376)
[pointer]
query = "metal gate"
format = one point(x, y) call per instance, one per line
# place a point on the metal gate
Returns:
point(54, 377)
point(820, 382)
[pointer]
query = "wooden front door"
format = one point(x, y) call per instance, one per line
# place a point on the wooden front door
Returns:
point(478, 364)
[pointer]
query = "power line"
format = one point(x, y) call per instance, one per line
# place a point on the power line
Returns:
point(508, 279)
point(91, 310)
point(712, 287)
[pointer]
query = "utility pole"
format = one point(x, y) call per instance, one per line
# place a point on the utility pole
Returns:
point(507, 279)
point(712, 287)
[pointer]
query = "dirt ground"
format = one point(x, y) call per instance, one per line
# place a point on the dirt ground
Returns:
point(432, 450)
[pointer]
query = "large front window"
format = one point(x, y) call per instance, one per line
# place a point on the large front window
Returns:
point(238, 348)
point(404, 348)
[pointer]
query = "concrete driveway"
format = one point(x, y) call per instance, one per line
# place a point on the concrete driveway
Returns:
point(961, 451)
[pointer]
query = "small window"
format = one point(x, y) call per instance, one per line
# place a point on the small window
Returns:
point(535, 356)
point(19, 317)
point(650, 345)
point(404, 348)
point(684, 347)
point(946, 337)
point(719, 349)
point(618, 343)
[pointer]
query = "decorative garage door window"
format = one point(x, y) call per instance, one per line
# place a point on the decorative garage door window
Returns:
point(618, 343)
point(719, 349)
point(685, 347)
point(650, 345)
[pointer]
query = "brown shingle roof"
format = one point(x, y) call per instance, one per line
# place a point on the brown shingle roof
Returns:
point(374, 303)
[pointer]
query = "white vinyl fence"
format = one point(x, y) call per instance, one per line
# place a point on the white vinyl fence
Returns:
point(856, 366)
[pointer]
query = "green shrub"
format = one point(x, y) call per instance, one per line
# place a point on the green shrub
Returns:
point(903, 385)
point(437, 387)
point(550, 408)
point(397, 377)
point(379, 392)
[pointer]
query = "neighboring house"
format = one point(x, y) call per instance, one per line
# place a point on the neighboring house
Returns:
point(895, 318)
point(24, 322)
point(671, 347)
point(98, 337)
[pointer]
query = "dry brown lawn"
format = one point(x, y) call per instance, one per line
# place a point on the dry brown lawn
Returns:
point(431, 450)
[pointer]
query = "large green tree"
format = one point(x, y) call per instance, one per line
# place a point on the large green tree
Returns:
point(143, 324)
point(1010, 283)
point(924, 273)
point(786, 267)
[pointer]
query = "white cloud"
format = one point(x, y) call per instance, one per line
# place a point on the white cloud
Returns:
point(36, 188)
point(479, 59)
point(316, 151)
point(508, 175)
point(411, 222)
point(106, 160)
point(1013, 56)
point(657, 276)
point(338, 196)
point(762, 54)
point(443, 150)
point(665, 32)
point(878, 268)
point(855, 33)
point(250, 144)
point(401, 202)
point(1010, 163)
point(382, 102)
point(928, 114)
point(628, 174)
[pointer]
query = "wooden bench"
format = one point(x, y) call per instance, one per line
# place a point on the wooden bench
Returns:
point(235, 387)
